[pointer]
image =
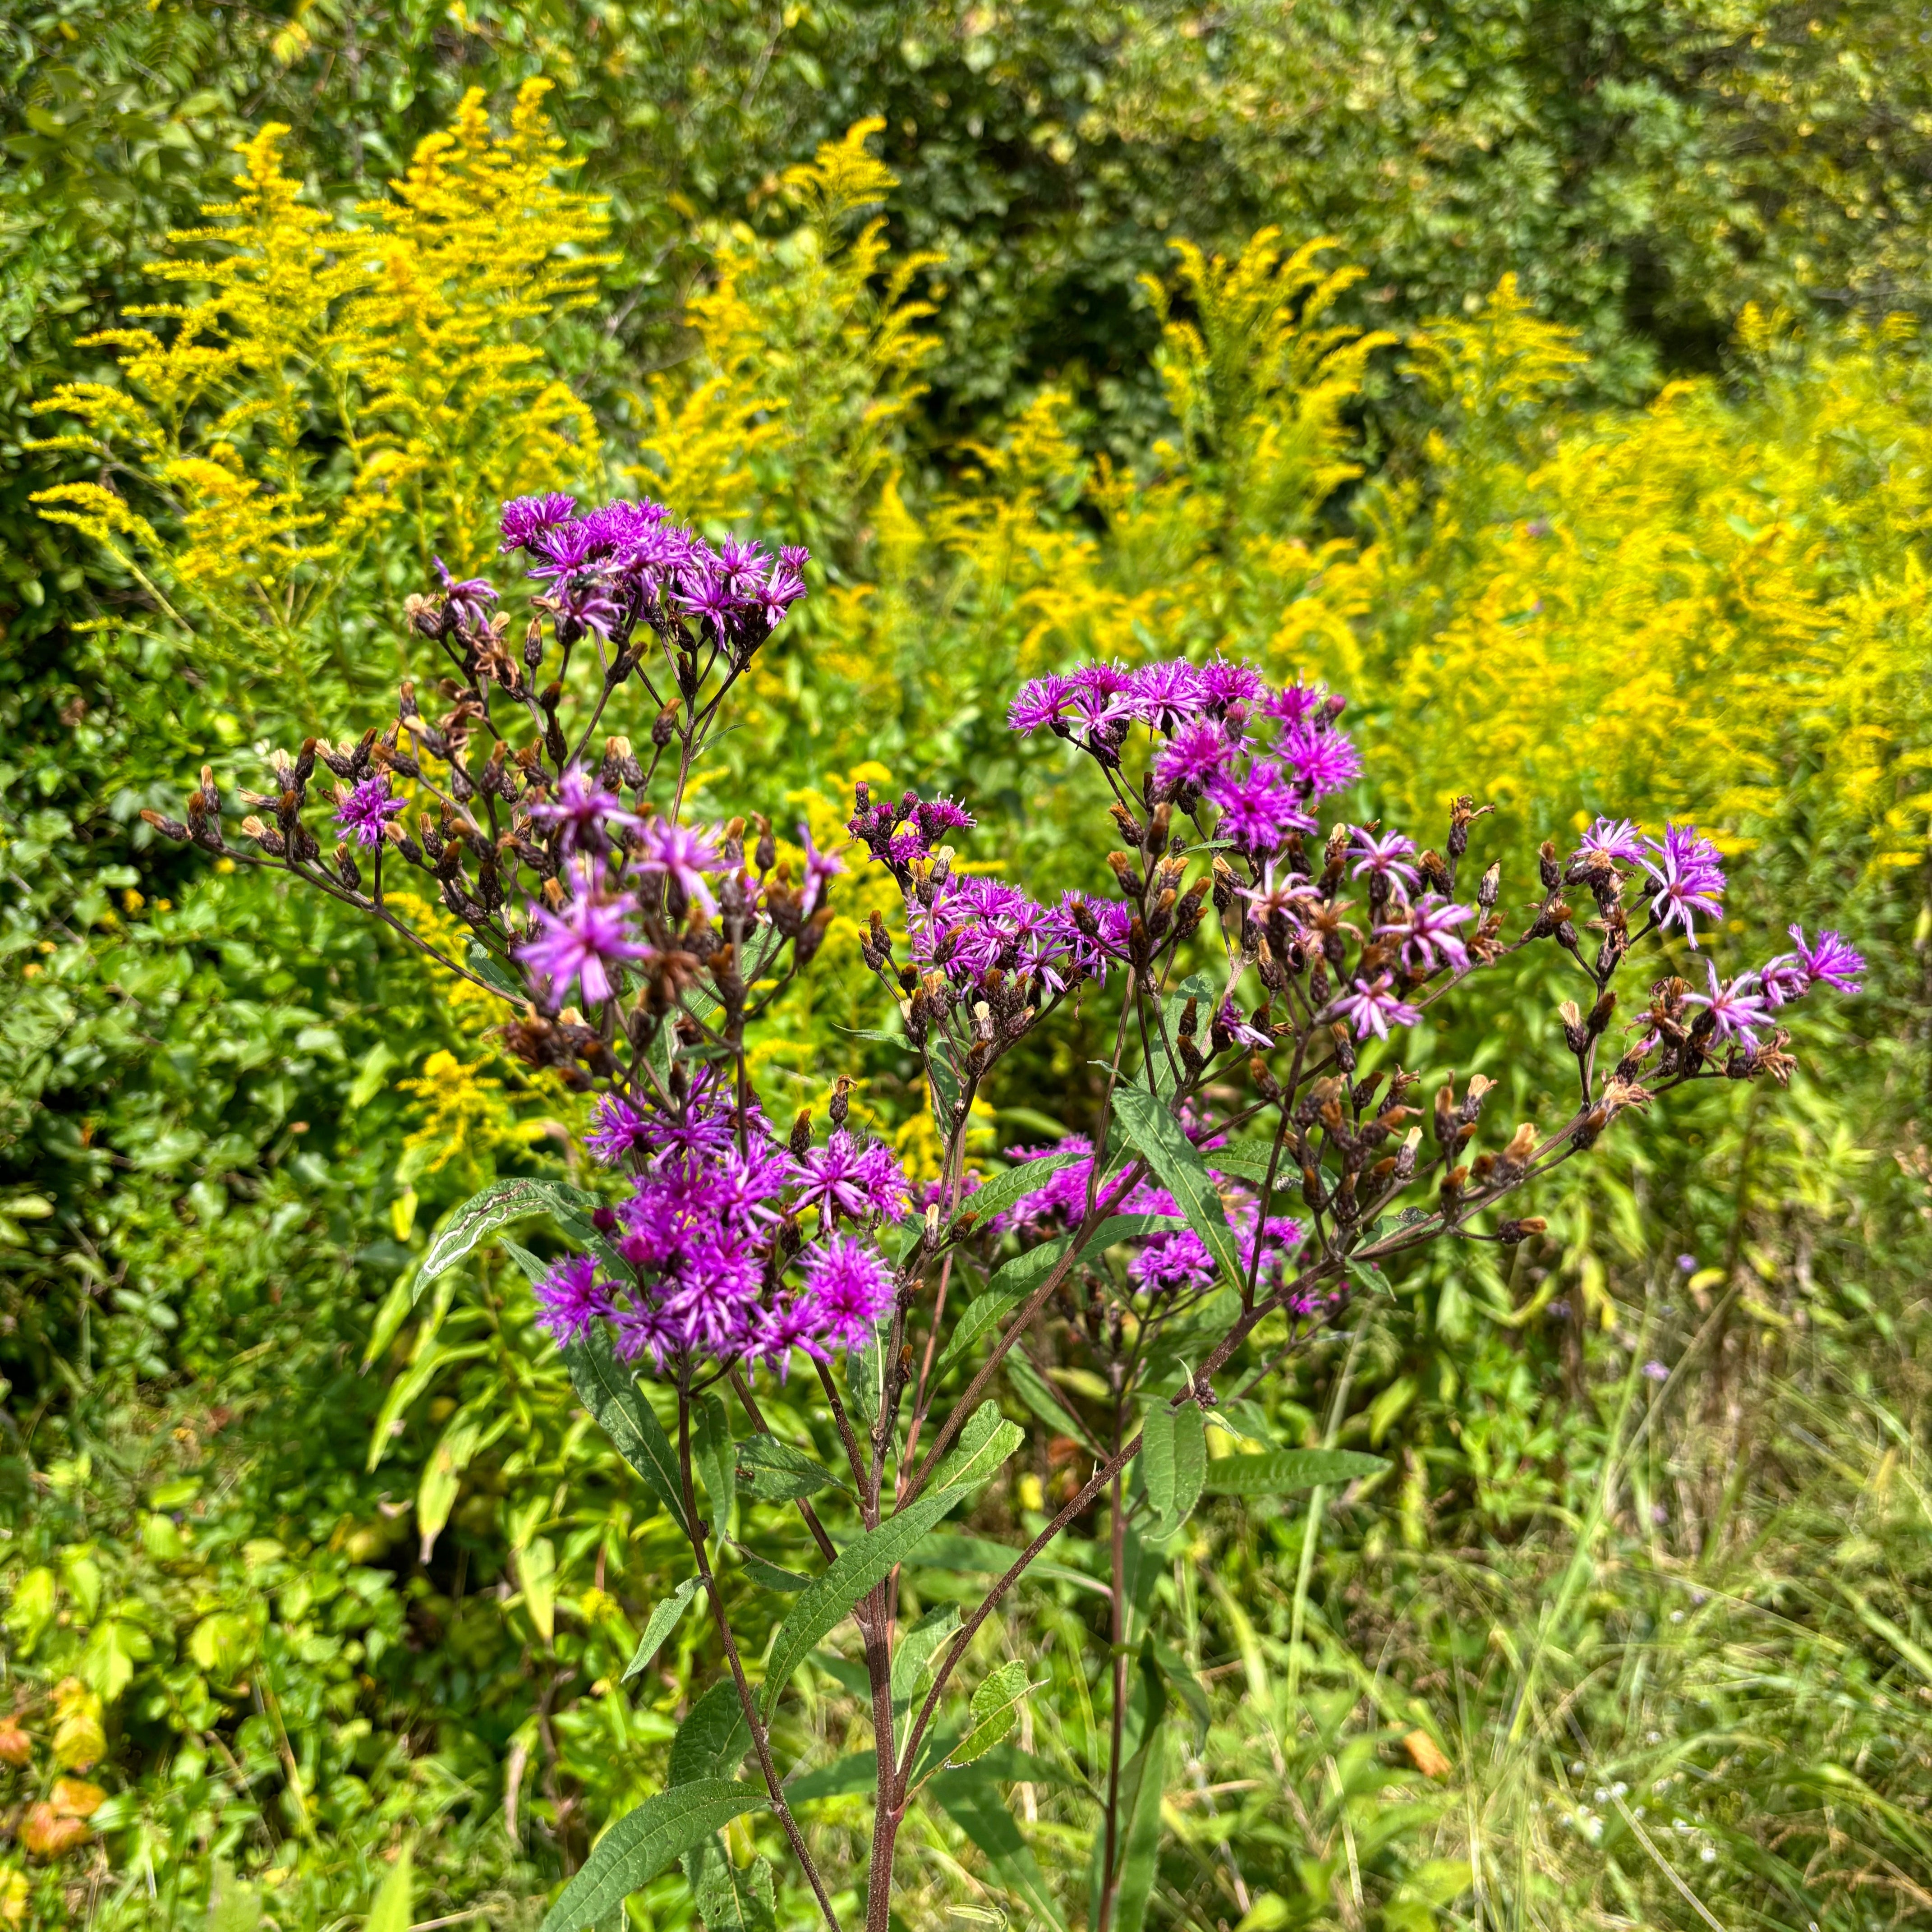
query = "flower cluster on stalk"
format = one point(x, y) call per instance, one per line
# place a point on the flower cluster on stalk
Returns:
point(639, 943)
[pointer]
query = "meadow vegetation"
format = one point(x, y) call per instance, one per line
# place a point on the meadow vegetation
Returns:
point(1551, 385)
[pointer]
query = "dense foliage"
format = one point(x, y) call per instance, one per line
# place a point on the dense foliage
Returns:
point(1618, 1637)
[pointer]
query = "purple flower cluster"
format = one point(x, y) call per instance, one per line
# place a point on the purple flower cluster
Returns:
point(1172, 1262)
point(1740, 1007)
point(608, 569)
point(1258, 758)
point(700, 1259)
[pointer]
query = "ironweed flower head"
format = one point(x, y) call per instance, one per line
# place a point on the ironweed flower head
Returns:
point(364, 809)
point(1689, 876)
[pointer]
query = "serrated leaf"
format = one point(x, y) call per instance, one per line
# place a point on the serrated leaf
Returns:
point(1173, 1464)
point(1279, 1472)
point(503, 1201)
point(1156, 1136)
point(713, 1737)
point(774, 1471)
point(985, 1443)
point(994, 1711)
point(609, 1390)
point(643, 1843)
point(662, 1621)
point(828, 1600)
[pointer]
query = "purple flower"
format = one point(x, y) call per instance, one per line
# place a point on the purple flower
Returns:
point(583, 603)
point(616, 1129)
point(1325, 761)
point(936, 817)
point(1690, 878)
point(564, 547)
point(525, 518)
point(1831, 962)
point(582, 943)
point(1041, 703)
point(1193, 755)
point(860, 1179)
point(1089, 954)
point(570, 1298)
point(1612, 839)
point(1374, 1009)
point(1656, 1372)
point(1384, 857)
point(582, 808)
point(1428, 934)
point(1295, 704)
point(819, 867)
point(621, 526)
point(1165, 696)
point(1223, 684)
point(683, 856)
point(1258, 811)
point(1231, 1020)
point(706, 593)
point(470, 598)
point(365, 808)
point(1687, 1264)
point(1736, 1005)
point(847, 1288)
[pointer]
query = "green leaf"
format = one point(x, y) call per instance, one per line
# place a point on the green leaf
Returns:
point(714, 1454)
point(1173, 1463)
point(769, 1576)
point(536, 1571)
point(395, 1903)
point(642, 1843)
point(503, 1201)
point(774, 1471)
point(467, 1433)
point(848, 1776)
point(828, 1600)
point(493, 972)
point(973, 1801)
point(912, 1662)
point(985, 1443)
point(1142, 1858)
point(1157, 1137)
point(713, 1739)
point(730, 1900)
point(1281, 1471)
point(994, 1711)
point(662, 1621)
point(609, 1390)
point(1023, 1177)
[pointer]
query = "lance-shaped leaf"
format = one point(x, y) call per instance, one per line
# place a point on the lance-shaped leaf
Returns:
point(729, 1898)
point(769, 1575)
point(1023, 1177)
point(1173, 1464)
point(994, 1711)
point(714, 1454)
point(1280, 1472)
point(662, 1621)
point(1141, 1859)
point(499, 1203)
point(985, 1442)
point(1157, 1137)
point(609, 1390)
point(1044, 1400)
point(644, 1842)
point(973, 1801)
point(828, 1600)
point(774, 1471)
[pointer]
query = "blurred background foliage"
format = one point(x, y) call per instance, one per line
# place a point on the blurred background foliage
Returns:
point(1547, 378)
